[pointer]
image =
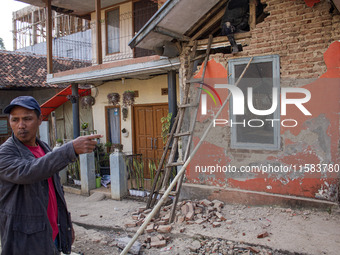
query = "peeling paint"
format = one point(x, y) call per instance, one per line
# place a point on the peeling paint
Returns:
point(314, 141)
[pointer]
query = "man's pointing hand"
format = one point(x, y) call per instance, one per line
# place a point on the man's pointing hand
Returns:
point(85, 144)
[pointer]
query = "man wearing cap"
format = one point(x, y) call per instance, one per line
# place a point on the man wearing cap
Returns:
point(33, 213)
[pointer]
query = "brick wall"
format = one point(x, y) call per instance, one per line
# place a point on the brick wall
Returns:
point(300, 35)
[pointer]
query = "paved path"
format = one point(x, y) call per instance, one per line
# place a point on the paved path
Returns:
point(301, 230)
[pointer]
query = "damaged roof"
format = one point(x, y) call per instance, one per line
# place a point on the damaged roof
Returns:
point(187, 20)
point(22, 70)
point(178, 19)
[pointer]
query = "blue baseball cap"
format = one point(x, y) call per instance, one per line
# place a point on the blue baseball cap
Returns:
point(23, 101)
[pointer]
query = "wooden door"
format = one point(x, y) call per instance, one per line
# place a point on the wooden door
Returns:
point(147, 135)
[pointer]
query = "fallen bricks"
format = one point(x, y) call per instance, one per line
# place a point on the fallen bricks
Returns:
point(189, 212)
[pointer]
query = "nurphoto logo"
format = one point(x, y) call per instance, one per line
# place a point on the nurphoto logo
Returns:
point(238, 105)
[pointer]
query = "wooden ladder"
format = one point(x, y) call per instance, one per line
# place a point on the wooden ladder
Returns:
point(164, 170)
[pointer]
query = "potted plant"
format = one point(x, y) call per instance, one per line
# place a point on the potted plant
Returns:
point(59, 142)
point(117, 147)
point(125, 113)
point(135, 168)
point(113, 98)
point(74, 172)
point(166, 122)
point(87, 101)
point(84, 126)
point(125, 133)
point(72, 98)
point(128, 98)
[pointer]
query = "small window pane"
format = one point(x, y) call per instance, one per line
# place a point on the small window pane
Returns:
point(113, 31)
point(3, 127)
point(249, 130)
point(114, 124)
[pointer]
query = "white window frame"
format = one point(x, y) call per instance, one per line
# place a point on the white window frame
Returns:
point(275, 59)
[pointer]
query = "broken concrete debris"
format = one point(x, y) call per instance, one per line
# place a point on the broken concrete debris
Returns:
point(122, 242)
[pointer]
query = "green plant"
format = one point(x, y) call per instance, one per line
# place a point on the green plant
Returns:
point(74, 169)
point(135, 168)
point(84, 125)
point(59, 141)
point(125, 113)
point(166, 122)
point(138, 166)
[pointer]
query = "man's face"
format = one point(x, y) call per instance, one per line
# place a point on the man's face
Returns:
point(25, 124)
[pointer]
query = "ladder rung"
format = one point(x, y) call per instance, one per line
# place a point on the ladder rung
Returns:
point(187, 105)
point(182, 134)
point(175, 164)
point(199, 57)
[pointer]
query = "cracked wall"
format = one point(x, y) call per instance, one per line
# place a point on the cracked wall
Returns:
point(315, 140)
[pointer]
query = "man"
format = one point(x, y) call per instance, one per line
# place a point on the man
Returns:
point(33, 213)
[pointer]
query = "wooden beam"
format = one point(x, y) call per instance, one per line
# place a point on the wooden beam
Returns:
point(99, 52)
point(208, 16)
point(49, 37)
point(252, 14)
point(220, 39)
point(167, 32)
point(210, 23)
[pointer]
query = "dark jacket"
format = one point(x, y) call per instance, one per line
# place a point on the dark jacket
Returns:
point(24, 225)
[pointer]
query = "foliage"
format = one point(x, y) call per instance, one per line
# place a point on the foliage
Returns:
point(87, 101)
point(59, 141)
point(128, 98)
point(84, 125)
point(166, 122)
point(113, 98)
point(135, 168)
point(74, 169)
point(125, 113)
point(2, 44)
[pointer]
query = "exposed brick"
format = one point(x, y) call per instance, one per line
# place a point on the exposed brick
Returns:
point(164, 229)
point(158, 244)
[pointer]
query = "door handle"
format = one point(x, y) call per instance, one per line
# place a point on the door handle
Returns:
point(155, 144)
point(151, 142)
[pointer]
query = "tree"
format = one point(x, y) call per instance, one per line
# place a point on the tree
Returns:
point(2, 44)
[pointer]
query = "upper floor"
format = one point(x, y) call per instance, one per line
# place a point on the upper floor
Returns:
point(91, 30)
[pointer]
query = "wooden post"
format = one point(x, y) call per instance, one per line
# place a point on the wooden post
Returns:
point(252, 14)
point(49, 37)
point(14, 26)
point(98, 33)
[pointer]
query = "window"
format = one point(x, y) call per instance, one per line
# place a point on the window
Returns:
point(3, 127)
point(249, 130)
point(112, 31)
point(69, 53)
point(113, 124)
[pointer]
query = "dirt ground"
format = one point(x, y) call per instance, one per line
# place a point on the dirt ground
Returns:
point(100, 223)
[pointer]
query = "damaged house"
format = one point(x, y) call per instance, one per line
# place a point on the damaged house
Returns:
point(277, 139)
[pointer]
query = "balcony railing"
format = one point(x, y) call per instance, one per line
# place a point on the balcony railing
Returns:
point(74, 42)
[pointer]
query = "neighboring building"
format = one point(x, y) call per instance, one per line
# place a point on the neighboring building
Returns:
point(294, 44)
point(23, 74)
point(116, 68)
point(71, 35)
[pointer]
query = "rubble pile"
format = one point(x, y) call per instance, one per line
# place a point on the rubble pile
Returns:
point(218, 246)
point(187, 212)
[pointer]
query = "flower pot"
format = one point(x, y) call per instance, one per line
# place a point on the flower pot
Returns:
point(98, 180)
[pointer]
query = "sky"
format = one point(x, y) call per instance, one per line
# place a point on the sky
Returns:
point(7, 7)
